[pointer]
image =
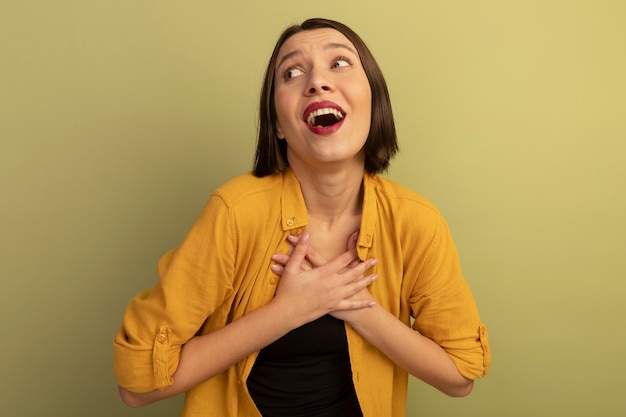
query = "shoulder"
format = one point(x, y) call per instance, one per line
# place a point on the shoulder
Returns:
point(401, 200)
point(249, 189)
point(244, 202)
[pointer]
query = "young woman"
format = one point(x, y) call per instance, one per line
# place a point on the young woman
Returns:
point(294, 292)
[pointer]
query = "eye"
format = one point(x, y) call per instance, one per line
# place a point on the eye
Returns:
point(341, 62)
point(292, 73)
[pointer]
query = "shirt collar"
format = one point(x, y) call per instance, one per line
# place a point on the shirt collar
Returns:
point(294, 213)
point(369, 215)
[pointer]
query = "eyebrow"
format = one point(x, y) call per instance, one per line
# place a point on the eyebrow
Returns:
point(331, 45)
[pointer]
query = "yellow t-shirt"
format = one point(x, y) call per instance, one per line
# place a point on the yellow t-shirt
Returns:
point(221, 272)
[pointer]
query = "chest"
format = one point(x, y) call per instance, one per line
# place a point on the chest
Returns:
point(331, 241)
point(254, 283)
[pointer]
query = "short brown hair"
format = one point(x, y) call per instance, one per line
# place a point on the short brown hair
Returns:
point(381, 144)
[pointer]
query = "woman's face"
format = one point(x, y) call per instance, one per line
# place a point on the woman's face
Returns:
point(323, 99)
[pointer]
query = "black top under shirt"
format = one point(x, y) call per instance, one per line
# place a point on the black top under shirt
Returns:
point(306, 373)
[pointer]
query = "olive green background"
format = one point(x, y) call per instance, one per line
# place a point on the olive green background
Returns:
point(118, 119)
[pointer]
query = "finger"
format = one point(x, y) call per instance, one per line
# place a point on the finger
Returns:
point(352, 240)
point(355, 304)
point(361, 284)
point(293, 239)
point(358, 295)
point(277, 269)
point(315, 257)
point(351, 290)
point(299, 252)
point(356, 261)
point(306, 265)
point(280, 258)
point(356, 269)
point(342, 261)
point(355, 274)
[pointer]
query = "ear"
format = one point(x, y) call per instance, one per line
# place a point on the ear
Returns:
point(279, 131)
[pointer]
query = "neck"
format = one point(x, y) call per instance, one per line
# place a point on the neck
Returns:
point(330, 196)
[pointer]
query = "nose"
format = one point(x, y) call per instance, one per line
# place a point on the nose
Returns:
point(314, 89)
point(319, 83)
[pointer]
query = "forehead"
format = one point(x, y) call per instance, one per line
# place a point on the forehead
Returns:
point(311, 39)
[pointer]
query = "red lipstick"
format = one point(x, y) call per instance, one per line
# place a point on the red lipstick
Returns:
point(323, 108)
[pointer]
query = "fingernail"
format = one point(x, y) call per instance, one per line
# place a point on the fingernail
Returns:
point(304, 237)
point(371, 304)
point(373, 262)
point(374, 277)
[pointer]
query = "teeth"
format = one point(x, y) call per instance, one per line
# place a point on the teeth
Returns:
point(320, 112)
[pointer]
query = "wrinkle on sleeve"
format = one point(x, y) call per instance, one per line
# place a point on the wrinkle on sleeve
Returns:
point(193, 281)
point(445, 310)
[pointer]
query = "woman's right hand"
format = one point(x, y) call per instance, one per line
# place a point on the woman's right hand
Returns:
point(310, 290)
point(313, 258)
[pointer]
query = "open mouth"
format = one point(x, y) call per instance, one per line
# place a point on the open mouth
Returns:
point(324, 117)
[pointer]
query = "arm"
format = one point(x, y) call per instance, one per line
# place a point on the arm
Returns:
point(417, 354)
point(327, 289)
point(224, 347)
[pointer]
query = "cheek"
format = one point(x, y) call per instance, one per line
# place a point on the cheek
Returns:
point(362, 94)
point(283, 105)
point(280, 110)
point(365, 106)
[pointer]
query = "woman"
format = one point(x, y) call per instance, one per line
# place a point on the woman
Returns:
point(293, 293)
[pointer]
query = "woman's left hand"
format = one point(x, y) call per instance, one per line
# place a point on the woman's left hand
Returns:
point(314, 260)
